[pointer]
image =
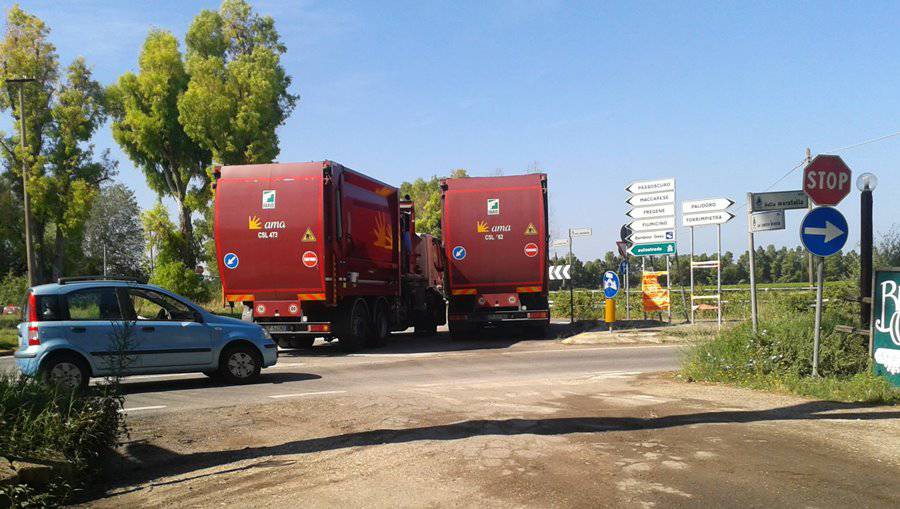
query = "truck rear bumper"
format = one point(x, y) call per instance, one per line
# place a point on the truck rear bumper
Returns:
point(490, 316)
point(297, 328)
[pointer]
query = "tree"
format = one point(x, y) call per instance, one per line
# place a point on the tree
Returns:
point(113, 232)
point(426, 195)
point(144, 108)
point(238, 91)
point(60, 118)
point(160, 236)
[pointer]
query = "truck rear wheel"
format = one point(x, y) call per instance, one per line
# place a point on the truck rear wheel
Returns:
point(354, 326)
point(381, 326)
point(460, 330)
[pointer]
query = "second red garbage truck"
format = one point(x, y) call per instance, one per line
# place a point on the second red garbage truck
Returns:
point(496, 243)
point(317, 249)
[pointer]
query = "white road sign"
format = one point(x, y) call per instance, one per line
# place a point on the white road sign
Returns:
point(559, 272)
point(660, 223)
point(652, 211)
point(781, 200)
point(580, 232)
point(709, 205)
point(651, 186)
point(560, 243)
point(706, 218)
point(652, 237)
point(643, 200)
point(766, 221)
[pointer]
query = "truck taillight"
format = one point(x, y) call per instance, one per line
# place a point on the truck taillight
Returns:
point(323, 327)
point(542, 315)
point(34, 337)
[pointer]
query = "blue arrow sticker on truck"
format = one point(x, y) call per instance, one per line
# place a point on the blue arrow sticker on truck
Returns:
point(231, 261)
point(459, 253)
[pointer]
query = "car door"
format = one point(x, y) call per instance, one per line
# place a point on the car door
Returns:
point(95, 326)
point(170, 333)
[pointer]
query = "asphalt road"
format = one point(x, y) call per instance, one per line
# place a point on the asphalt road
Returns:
point(407, 361)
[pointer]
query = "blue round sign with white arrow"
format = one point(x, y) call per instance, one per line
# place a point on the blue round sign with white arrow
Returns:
point(610, 284)
point(823, 231)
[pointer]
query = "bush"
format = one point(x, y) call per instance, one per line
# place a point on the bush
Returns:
point(44, 424)
point(780, 356)
point(176, 277)
point(12, 289)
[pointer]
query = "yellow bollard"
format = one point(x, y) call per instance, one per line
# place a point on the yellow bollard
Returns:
point(610, 314)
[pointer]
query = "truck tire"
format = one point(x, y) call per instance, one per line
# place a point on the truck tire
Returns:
point(426, 327)
point(354, 325)
point(381, 326)
point(459, 330)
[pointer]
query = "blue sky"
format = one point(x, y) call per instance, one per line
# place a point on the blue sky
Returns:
point(724, 96)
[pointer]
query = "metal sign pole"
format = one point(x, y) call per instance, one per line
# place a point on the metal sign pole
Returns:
point(754, 317)
point(719, 271)
point(571, 285)
point(692, 275)
point(819, 280)
point(627, 289)
point(669, 284)
point(643, 269)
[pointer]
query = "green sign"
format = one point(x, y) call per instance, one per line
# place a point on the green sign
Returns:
point(654, 249)
point(886, 324)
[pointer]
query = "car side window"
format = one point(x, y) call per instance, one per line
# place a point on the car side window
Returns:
point(94, 304)
point(150, 305)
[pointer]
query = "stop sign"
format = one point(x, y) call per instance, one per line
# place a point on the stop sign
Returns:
point(826, 180)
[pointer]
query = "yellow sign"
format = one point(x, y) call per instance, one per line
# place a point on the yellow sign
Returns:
point(654, 296)
point(481, 227)
point(308, 236)
point(253, 223)
point(384, 238)
point(531, 230)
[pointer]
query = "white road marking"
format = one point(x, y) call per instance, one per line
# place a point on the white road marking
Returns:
point(135, 409)
point(301, 394)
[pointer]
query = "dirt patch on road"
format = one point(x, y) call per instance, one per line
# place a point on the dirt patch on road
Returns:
point(603, 440)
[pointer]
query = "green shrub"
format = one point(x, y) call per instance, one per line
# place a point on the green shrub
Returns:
point(176, 277)
point(780, 355)
point(46, 424)
point(12, 289)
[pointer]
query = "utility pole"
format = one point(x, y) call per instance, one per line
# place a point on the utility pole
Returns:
point(571, 286)
point(809, 256)
point(26, 201)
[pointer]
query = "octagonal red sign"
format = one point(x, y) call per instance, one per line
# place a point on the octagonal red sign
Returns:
point(826, 179)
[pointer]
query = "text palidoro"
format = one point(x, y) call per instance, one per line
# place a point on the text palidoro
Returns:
point(270, 229)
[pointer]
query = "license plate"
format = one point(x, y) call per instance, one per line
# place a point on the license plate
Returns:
point(278, 328)
point(495, 317)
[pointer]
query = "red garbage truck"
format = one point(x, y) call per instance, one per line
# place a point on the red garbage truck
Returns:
point(496, 243)
point(319, 250)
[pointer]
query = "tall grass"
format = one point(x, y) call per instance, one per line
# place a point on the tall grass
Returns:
point(780, 355)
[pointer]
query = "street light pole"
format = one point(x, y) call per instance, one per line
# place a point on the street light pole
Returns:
point(866, 184)
point(26, 201)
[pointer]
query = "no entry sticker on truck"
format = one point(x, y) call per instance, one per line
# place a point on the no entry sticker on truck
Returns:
point(310, 259)
point(531, 250)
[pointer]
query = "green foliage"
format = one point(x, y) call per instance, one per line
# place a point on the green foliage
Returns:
point(43, 423)
point(12, 289)
point(144, 108)
point(238, 91)
point(61, 117)
point(426, 194)
point(175, 277)
point(114, 229)
point(887, 251)
point(163, 241)
point(780, 356)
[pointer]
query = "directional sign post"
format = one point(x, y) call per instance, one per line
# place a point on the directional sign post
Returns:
point(652, 231)
point(655, 249)
point(707, 212)
point(780, 200)
point(823, 232)
point(574, 232)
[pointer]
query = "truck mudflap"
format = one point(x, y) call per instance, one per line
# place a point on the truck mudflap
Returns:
point(501, 316)
point(297, 328)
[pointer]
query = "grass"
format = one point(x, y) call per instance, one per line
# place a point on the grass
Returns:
point(778, 358)
point(44, 424)
point(9, 339)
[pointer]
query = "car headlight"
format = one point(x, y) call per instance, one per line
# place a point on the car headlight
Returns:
point(266, 334)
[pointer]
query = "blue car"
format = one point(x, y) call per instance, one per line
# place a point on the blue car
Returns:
point(80, 328)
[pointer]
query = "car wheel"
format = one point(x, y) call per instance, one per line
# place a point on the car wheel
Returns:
point(354, 326)
point(240, 364)
point(66, 371)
